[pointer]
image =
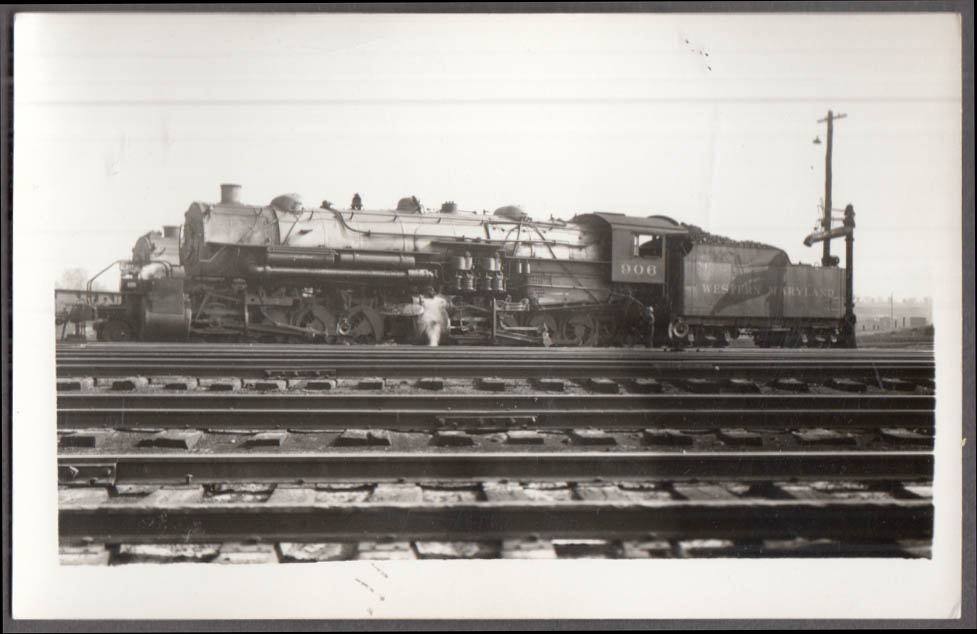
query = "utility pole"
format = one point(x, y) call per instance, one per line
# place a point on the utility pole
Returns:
point(826, 259)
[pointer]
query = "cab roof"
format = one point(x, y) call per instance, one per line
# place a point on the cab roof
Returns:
point(662, 225)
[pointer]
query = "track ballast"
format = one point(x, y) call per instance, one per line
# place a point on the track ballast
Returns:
point(323, 453)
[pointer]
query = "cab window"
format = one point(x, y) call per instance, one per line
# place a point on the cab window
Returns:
point(647, 245)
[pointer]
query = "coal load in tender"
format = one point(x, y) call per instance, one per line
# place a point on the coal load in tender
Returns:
point(697, 235)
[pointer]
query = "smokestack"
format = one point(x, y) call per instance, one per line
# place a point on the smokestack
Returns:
point(230, 194)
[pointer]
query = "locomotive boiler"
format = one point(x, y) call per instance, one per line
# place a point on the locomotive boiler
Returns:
point(285, 272)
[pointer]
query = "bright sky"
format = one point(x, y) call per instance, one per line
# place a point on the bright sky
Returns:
point(122, 120)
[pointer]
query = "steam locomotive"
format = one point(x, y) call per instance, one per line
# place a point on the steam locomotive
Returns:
point(283, 272)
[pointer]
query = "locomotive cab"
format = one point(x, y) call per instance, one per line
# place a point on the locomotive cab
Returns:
point(639, 246)
point(644, 253)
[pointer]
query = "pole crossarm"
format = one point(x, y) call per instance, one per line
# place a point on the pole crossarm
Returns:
point(840, 115)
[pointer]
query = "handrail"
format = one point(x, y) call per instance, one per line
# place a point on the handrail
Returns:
point(91, 281)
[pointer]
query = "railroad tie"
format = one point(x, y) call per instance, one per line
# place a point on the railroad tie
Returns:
point(431, 383)
point(83, 555)
point(669, 437)
point(124, 384)
point(174, 439)
point(824, 437)
point(87, 438)
point(173, 383)
point(524, 437)
point(701, 386)
point(740, 437)
point(548, 384)
point(604, 386)
point(292, 495)
point(456, 550)
point(246, 553)
point(703, 492)
point(397, 492)
point(742, 386)
point(790, 385)
point(490, 384)
point(452, 438)
point(601, 493)
point(220, 384)
point(318, 385)
point(363, 438)
point(386, 550)
point(898, 385)
point(316, 551)
point(528, 549)
point(846, 385)
point(82, 496)
point(173, 496)
point(504, 492)
point(646, 386)
point(591, 437)
point(905, 436)
point(167, 553)
point(76, 385)
point(267, 439)
point(266, 385)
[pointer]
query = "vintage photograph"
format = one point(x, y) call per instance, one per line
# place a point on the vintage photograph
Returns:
point(560, 300)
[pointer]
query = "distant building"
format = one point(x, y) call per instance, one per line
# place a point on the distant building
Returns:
point(878, 313)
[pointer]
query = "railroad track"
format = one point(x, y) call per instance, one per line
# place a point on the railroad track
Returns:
point(467, 411)
point(486, 440)
point(395, 452)
point(263, 361)
point(320, 507)
point(112, 469)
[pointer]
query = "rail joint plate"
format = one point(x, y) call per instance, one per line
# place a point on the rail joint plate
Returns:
point(87, 473)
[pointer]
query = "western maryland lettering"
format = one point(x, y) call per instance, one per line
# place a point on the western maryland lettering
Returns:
point(747, 291)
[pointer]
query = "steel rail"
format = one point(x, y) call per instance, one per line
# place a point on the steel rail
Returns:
point(209, 522)
point(448, 402)
point(509, 368)
point(168, 468)
point(122, 359)
point(653, 361)
point(672, 359)
point(495, 354)
point(548, 419)
point(139, 348)
point(422, 411)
